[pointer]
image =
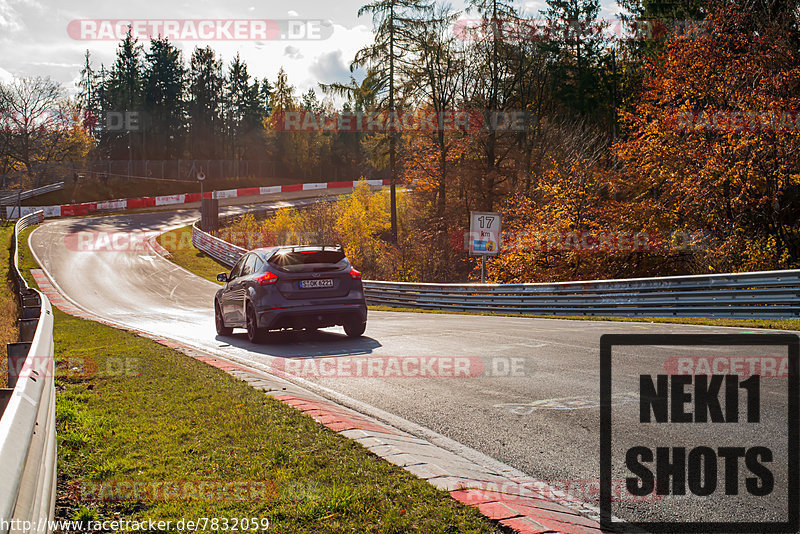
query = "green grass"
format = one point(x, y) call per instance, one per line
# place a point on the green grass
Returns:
point(129, 409)
point(179, 243)
point(199, 263)
point(26, 259)
point(9, 332)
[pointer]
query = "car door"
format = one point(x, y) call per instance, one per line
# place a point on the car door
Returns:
point(230, 311)
point(245, 278)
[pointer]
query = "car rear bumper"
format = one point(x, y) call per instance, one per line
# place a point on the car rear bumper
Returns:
point(305, 316)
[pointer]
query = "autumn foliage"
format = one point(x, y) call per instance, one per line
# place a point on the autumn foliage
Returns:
point(709, 140)
point(701, 174)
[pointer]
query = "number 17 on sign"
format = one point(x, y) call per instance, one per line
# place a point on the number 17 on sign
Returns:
point(484, 236)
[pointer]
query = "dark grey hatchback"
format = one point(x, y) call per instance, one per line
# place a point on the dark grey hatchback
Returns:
point(291, 287)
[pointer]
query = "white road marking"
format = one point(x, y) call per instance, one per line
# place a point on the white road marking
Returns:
point(566, 403)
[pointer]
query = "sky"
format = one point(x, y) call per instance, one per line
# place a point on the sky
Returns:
point(49, 38)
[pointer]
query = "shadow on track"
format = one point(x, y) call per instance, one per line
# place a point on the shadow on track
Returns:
point(304, 344)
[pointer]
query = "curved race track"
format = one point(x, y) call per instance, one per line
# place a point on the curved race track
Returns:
point(555, 359)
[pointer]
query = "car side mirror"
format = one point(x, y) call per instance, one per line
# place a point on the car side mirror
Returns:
point(222, 277)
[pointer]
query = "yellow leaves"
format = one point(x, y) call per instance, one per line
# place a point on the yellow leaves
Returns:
point(360, 220)
point(359, 223)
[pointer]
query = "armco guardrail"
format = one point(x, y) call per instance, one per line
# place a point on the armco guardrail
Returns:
point(229, 253)
point(215, 247)
point(765, 294)
point(27, 423)
point(30, 193)
point(757, 294)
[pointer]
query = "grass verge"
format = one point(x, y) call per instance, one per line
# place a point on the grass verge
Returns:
point(9, 333)
point(179, 244)
point(130, 411)
point(187, 256)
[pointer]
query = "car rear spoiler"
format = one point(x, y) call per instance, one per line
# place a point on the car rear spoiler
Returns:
point(295, 248)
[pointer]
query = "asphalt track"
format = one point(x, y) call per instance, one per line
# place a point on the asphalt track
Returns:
point(530, 400)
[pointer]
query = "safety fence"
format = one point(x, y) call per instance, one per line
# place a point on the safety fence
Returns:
point(226, 252)
point(766, 294)
point(68, 210)
point(27, 409)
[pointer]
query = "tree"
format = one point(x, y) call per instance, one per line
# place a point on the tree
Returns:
point(310, 101)
point(490, 85)
point(577, 46)
point(124, 92)
point(165, 102)
point(205, 103)
point(710, 138)
point(394, 21)
point(244, 109)
point(89, 99)
point(282, 97)
point(284, 143)
point(349, 149)
point(436, 81)
point(41, 126)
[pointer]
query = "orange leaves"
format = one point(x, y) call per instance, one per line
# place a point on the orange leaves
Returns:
point(724, 164)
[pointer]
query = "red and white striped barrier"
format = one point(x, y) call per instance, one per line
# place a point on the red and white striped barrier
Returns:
point(68, 210)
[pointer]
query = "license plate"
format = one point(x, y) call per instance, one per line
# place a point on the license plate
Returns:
point(313, 284)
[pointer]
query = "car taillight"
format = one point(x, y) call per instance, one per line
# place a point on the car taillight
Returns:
point(267, 278)
point(355, 275)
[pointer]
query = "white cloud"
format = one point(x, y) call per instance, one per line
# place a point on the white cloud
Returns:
point(533, 7)
point(10, 19)
point(293, 52)
point(40, 45)
point(5, 76)
point(61, 65)
point(330, 67)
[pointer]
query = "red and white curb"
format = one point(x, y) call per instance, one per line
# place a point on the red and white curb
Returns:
point(59, 301)
point(494, 491)
point(156, 246)
point(68, 210)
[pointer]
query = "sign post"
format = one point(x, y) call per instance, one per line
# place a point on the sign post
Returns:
point(200, 177)
point(484, 236)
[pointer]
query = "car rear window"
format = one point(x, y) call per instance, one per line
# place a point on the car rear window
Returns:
point(309, 260)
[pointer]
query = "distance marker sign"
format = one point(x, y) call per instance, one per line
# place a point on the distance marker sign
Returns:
point(484, 233)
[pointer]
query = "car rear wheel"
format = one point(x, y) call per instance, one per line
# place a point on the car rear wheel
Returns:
point(254, 333)
point(222, 330)
point(354, 328)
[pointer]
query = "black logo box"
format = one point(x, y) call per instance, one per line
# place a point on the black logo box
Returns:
point(791, 341)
